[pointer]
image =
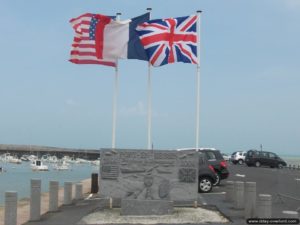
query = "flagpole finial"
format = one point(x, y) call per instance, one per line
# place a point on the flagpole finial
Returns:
point(149, 9)
point(199, 11)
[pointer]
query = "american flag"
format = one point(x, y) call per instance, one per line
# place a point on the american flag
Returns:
point(170, 40)
point(84, 43)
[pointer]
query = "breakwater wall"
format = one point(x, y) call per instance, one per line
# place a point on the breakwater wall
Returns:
point(19, 150)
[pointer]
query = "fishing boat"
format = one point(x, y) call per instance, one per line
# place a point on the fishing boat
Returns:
point(37, 165)
point(62, 166)
point(15, 160)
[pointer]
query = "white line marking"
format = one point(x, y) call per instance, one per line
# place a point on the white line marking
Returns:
point(216, 193)
point(88, 197)
point(240, 175)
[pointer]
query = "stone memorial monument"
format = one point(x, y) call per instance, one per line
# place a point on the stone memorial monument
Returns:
point(148, 182)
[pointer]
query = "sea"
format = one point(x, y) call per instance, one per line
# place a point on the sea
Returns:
point(17, 177)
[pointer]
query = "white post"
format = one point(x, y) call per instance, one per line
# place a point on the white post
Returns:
point(149, 89)
point(53, 196)
point(264, 206)
point(239, 195)
point(198, 81)
point(35, 200)
point(78, 191)
point(68, 193)
point(250, 200)
point(10, 210)
point(115, 98)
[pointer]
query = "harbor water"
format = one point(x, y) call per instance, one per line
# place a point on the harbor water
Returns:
point(17, 177)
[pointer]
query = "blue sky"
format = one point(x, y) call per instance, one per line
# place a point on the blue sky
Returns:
point(250, 64)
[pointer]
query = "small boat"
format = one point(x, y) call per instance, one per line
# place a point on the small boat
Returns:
point(15, 160)
point(37, 165)
point(24, 158)
point(62, 166)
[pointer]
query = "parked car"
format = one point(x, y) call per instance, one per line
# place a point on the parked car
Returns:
point(206, 176)
point(226, 157)
point(216, 159)
point(238, 157)
point(263, 158)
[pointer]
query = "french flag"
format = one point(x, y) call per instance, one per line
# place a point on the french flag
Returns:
point(100, 39)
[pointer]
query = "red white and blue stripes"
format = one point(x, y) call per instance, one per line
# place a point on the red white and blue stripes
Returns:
point(84, 42)
point(170, 40)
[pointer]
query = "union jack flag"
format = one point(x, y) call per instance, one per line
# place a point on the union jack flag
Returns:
point(170, 40)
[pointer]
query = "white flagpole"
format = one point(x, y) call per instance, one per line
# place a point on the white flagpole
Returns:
point(149, 139)
point(115, 99)
point(198, 81)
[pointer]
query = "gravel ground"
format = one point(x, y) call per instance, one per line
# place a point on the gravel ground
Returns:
point(180, 216)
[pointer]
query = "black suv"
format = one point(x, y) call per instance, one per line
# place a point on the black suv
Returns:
point(262, 158)
point(207, 175)
point(216, 159)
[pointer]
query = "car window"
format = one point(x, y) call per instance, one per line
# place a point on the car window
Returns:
point(272, 155)
point(210, 156)
point(245, 153)
point(263, 154)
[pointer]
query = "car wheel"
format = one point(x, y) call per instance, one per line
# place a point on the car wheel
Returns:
point(241, 161)
point(280, 166)
point(218, 180)
point(205, 184)
point(257, 164)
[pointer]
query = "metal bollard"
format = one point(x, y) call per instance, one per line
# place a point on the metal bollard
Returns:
point(290, 214)
point(239, 195)
point(264, 206)
point(94, 183)
point(53, 196)
point(35, 200)
point(68, 193)
point(250, 200)
point(229, 191)
point(10, 210)
point(78, 191)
